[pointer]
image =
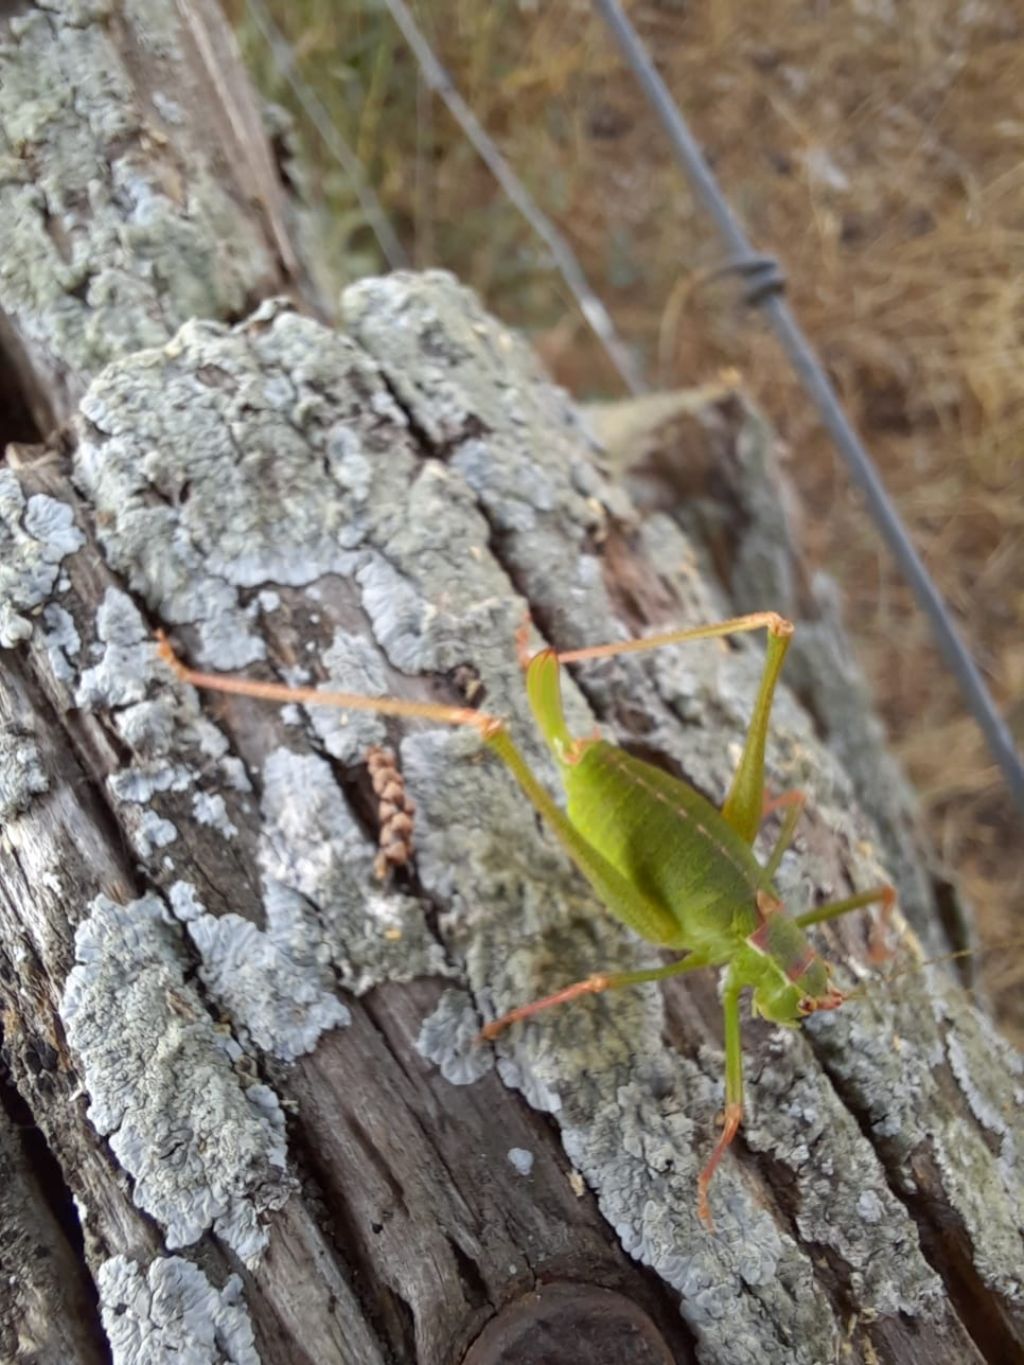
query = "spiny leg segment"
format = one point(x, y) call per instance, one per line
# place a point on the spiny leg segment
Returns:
point(758, 620)
point(733, 1098)
point(883, 895)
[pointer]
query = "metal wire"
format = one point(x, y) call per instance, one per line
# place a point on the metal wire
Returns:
point(593, 310)
point(812, 374)
point(373, 210)
point(764, 287)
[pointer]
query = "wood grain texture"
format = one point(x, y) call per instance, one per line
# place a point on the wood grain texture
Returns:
point(250, 1061)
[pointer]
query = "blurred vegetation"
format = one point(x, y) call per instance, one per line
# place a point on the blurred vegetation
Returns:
point(877, 148)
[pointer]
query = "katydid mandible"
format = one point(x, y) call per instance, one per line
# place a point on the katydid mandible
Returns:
point(661, 857)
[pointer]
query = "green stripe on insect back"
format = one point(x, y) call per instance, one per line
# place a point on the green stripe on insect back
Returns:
point(667, 839)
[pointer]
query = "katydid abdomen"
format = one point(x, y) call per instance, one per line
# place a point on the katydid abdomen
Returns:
point(669, 842)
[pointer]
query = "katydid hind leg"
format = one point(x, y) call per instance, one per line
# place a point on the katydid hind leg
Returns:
point(742, 808)
point(317, 696)
point(735, 625)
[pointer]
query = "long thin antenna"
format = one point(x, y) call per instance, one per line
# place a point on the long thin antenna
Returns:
point(766, 294)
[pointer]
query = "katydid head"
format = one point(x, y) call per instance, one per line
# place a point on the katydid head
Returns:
point(788, 977)
point(830, 999)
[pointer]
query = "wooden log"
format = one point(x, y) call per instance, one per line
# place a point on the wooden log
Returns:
point(251, 1061)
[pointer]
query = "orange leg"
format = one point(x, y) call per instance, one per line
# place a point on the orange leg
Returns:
point(770, 804)
point(733, 1117)
point(733, 1098)
point(879, 950)
point(593, 985)
point(346, 701)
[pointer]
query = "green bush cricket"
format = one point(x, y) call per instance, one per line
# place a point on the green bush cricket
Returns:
point(660, 856)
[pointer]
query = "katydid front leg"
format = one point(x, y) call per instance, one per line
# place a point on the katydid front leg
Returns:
point(733, 1097)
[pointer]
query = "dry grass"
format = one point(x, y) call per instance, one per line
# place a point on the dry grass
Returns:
point(877, 148)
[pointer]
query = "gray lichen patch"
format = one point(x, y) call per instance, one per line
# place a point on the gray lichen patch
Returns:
point(126, 656)
point(159, 728)
point(36, 534)
point(323, 912)
point(840, 1202)
point(748, 1292)
point(169, 1311)
point(312, 848)
point(478, 393)
point(981, 1060)
point(21, 773)
point(889, 1054)
point(353, 664)
point(210, 810)
point(450, 1038)
point(326, 918)
point(455, 366)
point(62, 640)
point(275, 983)
point(150, 832)
point(172, 746)
point(105, 252)
point(162, 1083)
point(521, 1159)
point(208, 487)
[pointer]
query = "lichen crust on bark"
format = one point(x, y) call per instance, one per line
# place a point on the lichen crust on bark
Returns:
point(375, 511)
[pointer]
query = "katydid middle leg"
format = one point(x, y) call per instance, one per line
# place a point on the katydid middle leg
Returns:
point(593, 985)
point(795, 801)
point(884, 895)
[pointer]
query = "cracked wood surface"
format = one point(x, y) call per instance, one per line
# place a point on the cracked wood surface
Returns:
point(250, 1061)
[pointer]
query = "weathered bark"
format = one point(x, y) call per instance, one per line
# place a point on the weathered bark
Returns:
point(253, 1063)
point(137, 188)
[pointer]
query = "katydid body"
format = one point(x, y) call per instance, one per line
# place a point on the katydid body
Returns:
point(660, 856)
